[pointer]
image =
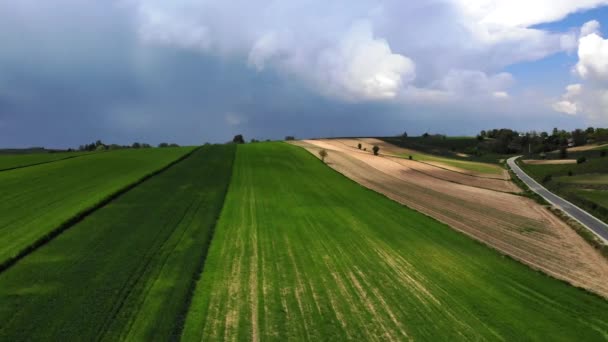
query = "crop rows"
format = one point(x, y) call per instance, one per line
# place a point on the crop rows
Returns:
point(15, 161)
point(301, 252)
point(126, 271)
point(35, 201)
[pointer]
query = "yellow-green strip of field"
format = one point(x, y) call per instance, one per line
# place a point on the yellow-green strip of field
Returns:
point(462, 164)
point(36, 200)
point(302, 253)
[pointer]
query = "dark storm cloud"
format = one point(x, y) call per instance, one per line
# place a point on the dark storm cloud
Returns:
point(75, 71)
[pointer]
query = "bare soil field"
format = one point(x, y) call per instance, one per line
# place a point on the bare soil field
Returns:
point(514, 225)
point(585, 147)
point(549, 162)
point(389, 149)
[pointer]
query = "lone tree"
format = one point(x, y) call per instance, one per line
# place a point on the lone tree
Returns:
point(238, 139)
point(376, 149)
point(323, 154)
point(359, 146)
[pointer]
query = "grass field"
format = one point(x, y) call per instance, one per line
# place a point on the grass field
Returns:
point(597, 196)
point(300, 252)
point(587, 187)
point(445, 151)
point(462, 164)
point(36, 200)
point(126, 271)
point(11, 161)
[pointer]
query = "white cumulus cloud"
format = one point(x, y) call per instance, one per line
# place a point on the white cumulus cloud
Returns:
point(589, 98)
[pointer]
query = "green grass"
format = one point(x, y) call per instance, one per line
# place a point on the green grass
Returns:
point(35, 201)
point(585, 179)
point(588, 176)
point(466, 165)
point(596, 165)
point(11, 161)
point(300, 252)
point(596, 196)
point(445, 151)
point(126, 271)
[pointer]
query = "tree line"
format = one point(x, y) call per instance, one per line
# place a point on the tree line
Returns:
point(100, 146)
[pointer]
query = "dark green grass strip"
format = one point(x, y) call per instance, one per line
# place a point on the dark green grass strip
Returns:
point(125, 271)
point(81, 215)
point(302, 253)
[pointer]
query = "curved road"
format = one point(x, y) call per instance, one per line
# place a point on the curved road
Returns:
point(598, 227)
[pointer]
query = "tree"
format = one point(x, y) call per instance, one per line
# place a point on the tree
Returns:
point(376, 149)
point(359, 145)
point(290, 137)
point(581, 160)
point(238, 139)
point(323, 154)
point(163, 144)
point(425, 135)
point(136, 145)
point(563, 153)
point(173, 145)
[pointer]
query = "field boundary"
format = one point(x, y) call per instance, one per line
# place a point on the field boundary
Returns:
point(84, 213)
point(45, 162)
point(471, 237)
point(181, 322)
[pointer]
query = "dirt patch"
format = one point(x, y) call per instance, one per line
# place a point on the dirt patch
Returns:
point(427, 168)
point(549, 162)
point(514, 225)
point(585, 147)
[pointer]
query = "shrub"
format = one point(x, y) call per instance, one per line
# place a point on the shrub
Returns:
point(359, 146)
point(603, 153)
point(410, 157)
point(376, 149)
point(570, 173)
point(323, 154)
point(547, 178)
point(581, 160)
point(563, 153)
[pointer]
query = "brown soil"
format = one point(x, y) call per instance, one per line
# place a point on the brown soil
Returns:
point(514, 225)
point(549, 162)
point(393, 150)
point(585, 147)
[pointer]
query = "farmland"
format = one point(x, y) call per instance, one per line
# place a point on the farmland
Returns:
point(125, 271)
point(11, 161)
point(584, 184)
point(37, 200)
point(301, 252)
point(514, 225)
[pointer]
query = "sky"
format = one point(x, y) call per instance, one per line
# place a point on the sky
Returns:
point(196, 71)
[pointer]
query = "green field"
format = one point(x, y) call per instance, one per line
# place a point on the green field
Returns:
point(36, 200)
point(596, 196)
point(463, 164)
point(587, 187)
point(446, 151)
point(300, 252)
point(126, 271)
point(11, 161)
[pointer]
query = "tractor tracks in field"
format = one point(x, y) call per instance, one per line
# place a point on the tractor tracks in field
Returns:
point(6, 264)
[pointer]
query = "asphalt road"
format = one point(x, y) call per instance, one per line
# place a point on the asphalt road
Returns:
point(590, 222)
